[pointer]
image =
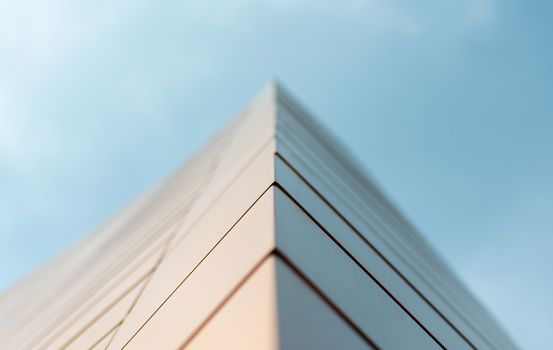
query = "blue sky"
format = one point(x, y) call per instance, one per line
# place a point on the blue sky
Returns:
point(448, 104)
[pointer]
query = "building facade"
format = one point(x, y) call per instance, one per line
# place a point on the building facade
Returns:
point(271, 237)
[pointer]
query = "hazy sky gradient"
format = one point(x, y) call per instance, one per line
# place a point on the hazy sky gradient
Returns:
point(449, 104)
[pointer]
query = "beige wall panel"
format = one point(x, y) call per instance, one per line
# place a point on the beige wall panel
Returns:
point(274, 309)
point(101, 326)
point(248, 320)
point(94, 305)
point(229, 207)
point(90, 311)
point(97, 277)
point(104, 342)
point(249, 242)
point(229, 199)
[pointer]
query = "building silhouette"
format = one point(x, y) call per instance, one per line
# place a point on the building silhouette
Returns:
point(271, 237)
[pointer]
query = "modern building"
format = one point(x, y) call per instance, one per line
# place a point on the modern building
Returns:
point(271, 237)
